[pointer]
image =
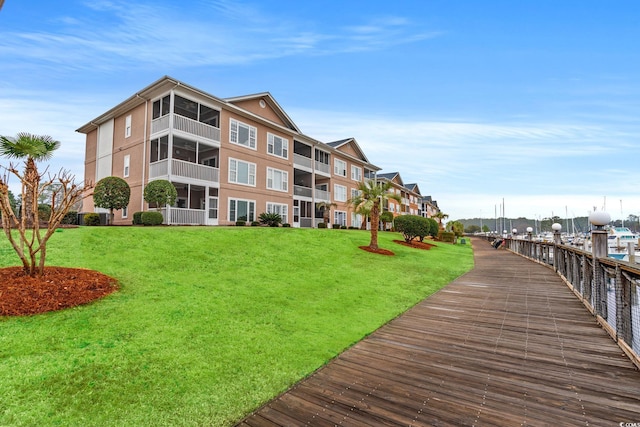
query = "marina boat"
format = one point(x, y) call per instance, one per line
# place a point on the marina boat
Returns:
point(618, 241)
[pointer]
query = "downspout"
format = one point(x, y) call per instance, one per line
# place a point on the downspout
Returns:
point(144, 149)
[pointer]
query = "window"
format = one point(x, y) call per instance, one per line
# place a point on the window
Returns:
point(242, 172)
point(356, 219)
point(242, 210)
point(125, 211)
point(322, 157)
point(340, 193)
point(127, 126)
point(125, 173)
point(277, 146)
point(277, 179)
point(356, 173)
point(185, 107)
point(355, 193)
point(280, 209)
point(196, 111)
point(339, 167)
point(159, 149)
point(340, 217)
point(242, 134)
point(161, 107)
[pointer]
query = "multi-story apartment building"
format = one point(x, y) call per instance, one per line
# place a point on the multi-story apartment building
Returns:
point(428, 207)
point(409, 194)
point(229, 159)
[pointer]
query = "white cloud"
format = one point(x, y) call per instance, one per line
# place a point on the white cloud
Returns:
point(125, 33)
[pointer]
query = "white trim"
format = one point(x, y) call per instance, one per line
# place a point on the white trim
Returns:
point(233, 172)
point(234, 132)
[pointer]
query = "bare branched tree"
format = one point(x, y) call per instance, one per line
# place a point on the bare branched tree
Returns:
point(29, 240)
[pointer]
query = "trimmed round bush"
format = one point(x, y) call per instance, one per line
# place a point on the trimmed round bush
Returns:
point(241, 223)
point(151, 218)
point(70, 218)
point(286, 224)
point(137, 218)
point(91, 219)
point(322, 225)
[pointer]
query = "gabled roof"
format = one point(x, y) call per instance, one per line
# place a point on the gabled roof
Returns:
point(391, 176)
point(351, 142)
point(271, 102)
point(414, 188)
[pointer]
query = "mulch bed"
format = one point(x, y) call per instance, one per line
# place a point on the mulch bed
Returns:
point(413, 244)
point(58, 288)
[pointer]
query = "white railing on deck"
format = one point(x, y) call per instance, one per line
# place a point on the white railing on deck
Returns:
point(195, 171)
point(323, 195)
point(160, 124)
point(184, 169)
point(187, 125)
point(301, 160)
point(180, 216)
point(157, 169)
point(322, 167)
point(299, 190)
point(194, 127)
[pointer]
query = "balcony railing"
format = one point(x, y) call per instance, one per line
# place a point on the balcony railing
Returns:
point(179, 216)
point(187, 125)
point(299, 190)
point(323, 195)
point(184, 169)
point(322, 167)
point(301, 160)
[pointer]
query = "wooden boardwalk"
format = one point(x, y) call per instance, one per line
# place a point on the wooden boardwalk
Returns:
point(507, 344)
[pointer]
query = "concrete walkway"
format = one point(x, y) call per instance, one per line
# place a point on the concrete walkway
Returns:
point(507, 344)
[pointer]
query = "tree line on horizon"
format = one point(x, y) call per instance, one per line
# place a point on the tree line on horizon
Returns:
point(572, 225)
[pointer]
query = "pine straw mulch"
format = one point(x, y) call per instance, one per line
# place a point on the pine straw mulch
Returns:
point(57, 289)
point(413, 244)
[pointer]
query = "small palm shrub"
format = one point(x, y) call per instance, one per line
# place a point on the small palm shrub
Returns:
point(271, 219)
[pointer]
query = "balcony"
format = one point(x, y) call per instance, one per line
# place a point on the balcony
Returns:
point(184, 124)
point(178, 216)
point(183, 169)
point(323, 167)
point(300, 160)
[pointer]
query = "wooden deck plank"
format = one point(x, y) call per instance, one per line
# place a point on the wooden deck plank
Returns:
point(506, 344)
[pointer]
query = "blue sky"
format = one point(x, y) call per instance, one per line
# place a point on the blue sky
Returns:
point(534, 102)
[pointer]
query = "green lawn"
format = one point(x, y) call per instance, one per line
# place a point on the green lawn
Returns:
point(209, 323)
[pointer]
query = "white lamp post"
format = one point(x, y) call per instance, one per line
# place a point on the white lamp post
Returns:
point(599, 246)
point(556, 227)
point(529, 232)
point(599, 249)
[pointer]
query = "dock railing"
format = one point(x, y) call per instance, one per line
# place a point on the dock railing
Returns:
point(606, 286)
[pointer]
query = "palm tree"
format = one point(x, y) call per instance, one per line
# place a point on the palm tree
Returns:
point(326, 210)
point(33, 148)
point(370, 196)
point(440, 216)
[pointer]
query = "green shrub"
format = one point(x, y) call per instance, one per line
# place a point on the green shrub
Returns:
point(271, 219)
point(322, 225)
point(412, 226)
point(91, 219)
point(151, 218)
point(286, 224)
point(343, 227)
point(44, 212)
point(336, 226)
point(255, 223)
point(70, 218)
point(446, 236)
point(241, 223)
point(137, 218)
